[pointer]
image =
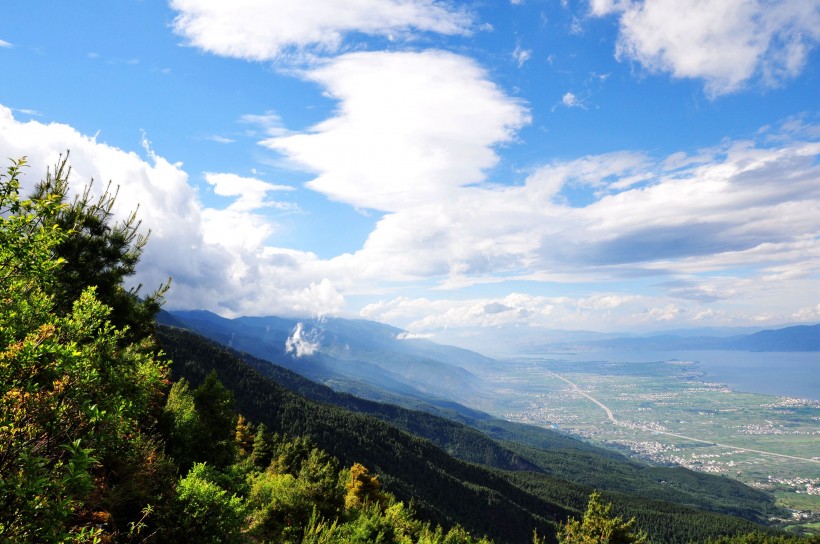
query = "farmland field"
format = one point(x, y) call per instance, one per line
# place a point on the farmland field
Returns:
point(667, 413)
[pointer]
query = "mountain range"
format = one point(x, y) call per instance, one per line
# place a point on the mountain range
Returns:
point(406, 407)
point(795, 338)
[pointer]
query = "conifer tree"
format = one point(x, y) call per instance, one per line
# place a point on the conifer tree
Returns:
point(77, 394)
point(244, 437)
point(599, 527)
point(216, 437)
point(362, 488)
point(263, 446)
point(100, 252)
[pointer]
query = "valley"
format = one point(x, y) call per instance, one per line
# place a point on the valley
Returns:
point(666, 413)
point(666, 410)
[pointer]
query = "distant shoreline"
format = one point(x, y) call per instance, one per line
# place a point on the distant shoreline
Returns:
point(793, 374)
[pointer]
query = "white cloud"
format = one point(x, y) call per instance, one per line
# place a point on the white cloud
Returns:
point(270, 123)
point(266, 29)
point(410, 128)
point(251, 192)
point(521, 56)
point(302, 343)
point(727, 43)
point(730, 212)
point(26, 111)
point(4, 43)
point(730, 229)
point(808, 314)
point(412, 336)
point(220, 139)
point(430, 318)
point(217, 258)
point(570, 100)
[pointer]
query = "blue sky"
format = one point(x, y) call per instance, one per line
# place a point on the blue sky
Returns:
point(608, 165)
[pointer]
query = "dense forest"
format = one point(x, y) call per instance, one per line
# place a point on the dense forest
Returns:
point(115, 430)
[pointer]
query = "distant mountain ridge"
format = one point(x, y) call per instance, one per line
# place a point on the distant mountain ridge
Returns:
point(362, 357)
point(795, 338)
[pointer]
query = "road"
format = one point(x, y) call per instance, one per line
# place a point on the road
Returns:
point(616, 421)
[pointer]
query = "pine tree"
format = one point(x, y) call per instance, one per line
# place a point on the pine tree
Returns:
point(263, 447)
point(599, 527)
point(244, 437)
point(215, 443)
point(78, 395)
point(100, 252)
point(362, 488)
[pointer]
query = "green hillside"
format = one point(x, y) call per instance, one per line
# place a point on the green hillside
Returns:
point(525, 447)
point(506, 505)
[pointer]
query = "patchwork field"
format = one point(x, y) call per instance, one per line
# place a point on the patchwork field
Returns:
point(665, 412)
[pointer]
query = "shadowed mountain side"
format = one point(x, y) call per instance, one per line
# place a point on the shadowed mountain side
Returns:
point(340, 350)
point(532, 448)
point(526, 446)
point(445, 490)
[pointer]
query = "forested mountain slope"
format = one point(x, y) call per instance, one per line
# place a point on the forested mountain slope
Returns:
point(442, 488)
point(527, 447)
point(357, 356)
point(506, 505)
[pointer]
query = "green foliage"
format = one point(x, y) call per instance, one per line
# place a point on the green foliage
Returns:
point(281, 508)
point(76, 393)
point(599, 526)
point(100, 252)
point(200, 424)
point(181, 424)
point(216, 437)
point(263, 445)
point(203, 511)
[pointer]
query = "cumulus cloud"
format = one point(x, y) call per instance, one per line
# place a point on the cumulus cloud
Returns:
point(251, 192)
point(736, 227)
point(217, 258)
point(267, 29)
point(726, 43)
point(302, 342)
point(410, 128)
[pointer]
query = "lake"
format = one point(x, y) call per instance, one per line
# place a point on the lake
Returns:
point(790, 374)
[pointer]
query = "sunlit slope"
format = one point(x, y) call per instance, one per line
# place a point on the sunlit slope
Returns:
point(445, 489)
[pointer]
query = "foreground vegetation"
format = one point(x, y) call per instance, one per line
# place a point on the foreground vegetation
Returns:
point(92, 449)
point(105, 439)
